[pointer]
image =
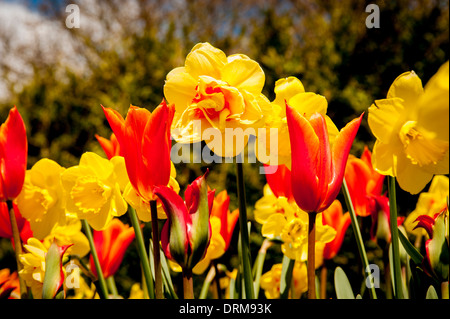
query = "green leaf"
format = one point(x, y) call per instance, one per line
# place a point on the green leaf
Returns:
point(54, 277)
point(415, 255)
point(437, 249)
point(286, 276)
point(342, 285)
point(431, 293)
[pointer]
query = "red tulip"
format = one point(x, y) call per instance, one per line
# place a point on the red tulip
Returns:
point(13, 155)
point(227, 220)
point(111, 147)
point(335, 218)
point(5, 223)
point(144, 139)
point(111, 245)
point(363, 182)
point(186, 234)
point(317, 169)
point(279, 180)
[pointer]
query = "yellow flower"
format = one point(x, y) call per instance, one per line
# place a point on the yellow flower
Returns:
point(270, 281)
point(285, 221)
point(69, 234)
point(291, 91)
point(220, 92)
point(141, 206)
point(136, 292)
point(42, 200)
point(33, 261)
point(412, 130)
point(94, 187)
point(429, 203)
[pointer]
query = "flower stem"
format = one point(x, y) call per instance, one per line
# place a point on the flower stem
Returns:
point(103, 291)
point(311, 265)
point(245, 243)
point(142, 253)
point(112, 286)
point(17, 247)
point(286, 277)
point(156, 253)
point(398, 287)
point(188, 285)
point(359, 239)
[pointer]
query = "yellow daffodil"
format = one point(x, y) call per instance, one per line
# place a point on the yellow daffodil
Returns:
point(136, 292)
point(94, 187)
point(42, 199)
point(284, 220)
point(217, 92)
point(270, 281)
point(141, 206)
point(69, 234)
point(291, 91)
point(429, 203)
point(412, 130)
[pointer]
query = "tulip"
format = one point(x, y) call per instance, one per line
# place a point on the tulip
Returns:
point(53, 285)
point(111, 245)
point(5, 223)
point(279, 181)
point(187, 232)
point(13, 155)
point(227, 220)
point(335, 218)
point(363, 182)
point(317, 170)
point(111, 147)
point(144, 139)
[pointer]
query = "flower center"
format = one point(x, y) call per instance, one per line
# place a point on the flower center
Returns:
point(294, 233)
point(420, 148)
point(90, 194)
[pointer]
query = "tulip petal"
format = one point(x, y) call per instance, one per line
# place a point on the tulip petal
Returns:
point(305, 152)
point(174, 235)
point(13, 155)
point(340, 151)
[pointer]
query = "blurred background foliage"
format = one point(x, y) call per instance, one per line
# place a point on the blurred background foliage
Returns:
point(126, 48)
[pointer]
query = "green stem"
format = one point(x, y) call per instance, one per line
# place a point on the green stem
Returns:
point(112, 286)
point(156, 253)
point(17, 247)
point(259, 264)
point(103, 291)
point(398, 287)
point(245, 242)
point(143, 256)
point(359, 239)
point(311, 265)
point(188, 285)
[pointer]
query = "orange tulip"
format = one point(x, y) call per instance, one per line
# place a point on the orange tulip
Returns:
point(317, 169)
point(227, 220)
point(111, 147)
point(144, 138)
point(13, 155)
point(335, 218)
point(111, 245)
point(363, 182)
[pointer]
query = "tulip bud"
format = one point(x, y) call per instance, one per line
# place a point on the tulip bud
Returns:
point(186, 234)
point(54, 275)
